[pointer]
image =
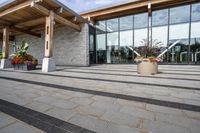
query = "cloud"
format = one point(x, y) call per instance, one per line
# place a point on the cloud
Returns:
point(84, 5)
point(103, 2)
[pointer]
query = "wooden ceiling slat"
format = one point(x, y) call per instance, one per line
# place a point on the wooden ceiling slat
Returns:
point(15, 8)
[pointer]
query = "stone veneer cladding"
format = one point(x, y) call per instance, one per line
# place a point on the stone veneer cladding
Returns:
point(70, 47)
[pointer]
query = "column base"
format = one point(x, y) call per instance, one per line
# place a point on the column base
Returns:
point(48, 65)
point(5, 63)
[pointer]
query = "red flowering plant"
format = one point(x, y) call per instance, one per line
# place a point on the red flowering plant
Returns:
point(21, 56)
point(148, 51)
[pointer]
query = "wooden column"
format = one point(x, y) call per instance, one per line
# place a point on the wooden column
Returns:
point(5, 43)
point(49, 29)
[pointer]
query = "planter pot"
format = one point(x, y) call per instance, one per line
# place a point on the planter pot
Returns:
point(147, 68)
point(24, 67)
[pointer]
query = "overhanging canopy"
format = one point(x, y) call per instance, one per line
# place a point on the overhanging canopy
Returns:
point(133, 7)
point(28, 16)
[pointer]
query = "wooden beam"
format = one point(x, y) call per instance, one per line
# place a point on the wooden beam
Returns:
point(25, 31)
point(18, 7)
point(15, 28)
point(30, 22)
point(66, 22)
point(49, 28)
point(116, 9)
point(40, 8)
point(58, 18)
point(5, 48)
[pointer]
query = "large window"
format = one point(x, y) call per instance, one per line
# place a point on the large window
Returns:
point(112, 40)
point(126, 39)
point(179, 30)
point(160, 31)
point(116, 37)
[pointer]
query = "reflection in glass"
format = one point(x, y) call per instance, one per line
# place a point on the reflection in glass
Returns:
point(160, 17)
point(141, 20)
point(112, 47)
point(160, 30)
point(126, 39)
point(180, 14)
point(179, 53)
point(101, 42)
point(139, 36)
point(141, 31)
point(179, 30)
point(112, 41)
point(196, 12)
point(159, 34)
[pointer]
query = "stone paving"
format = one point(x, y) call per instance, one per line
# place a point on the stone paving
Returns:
point(9, 124)
point(109, 114)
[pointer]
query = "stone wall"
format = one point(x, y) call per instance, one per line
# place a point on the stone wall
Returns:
point(70, 47)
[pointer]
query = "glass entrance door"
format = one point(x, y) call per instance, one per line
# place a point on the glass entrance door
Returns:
point(92, 46)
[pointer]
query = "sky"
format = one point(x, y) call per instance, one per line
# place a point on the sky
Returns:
point(84, 5)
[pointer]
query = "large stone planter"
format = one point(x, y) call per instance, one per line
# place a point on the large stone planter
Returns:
point(24, 67)
point(147, 68)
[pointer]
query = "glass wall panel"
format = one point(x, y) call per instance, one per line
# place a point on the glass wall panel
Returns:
point(180, 14)
point(195, 33)
point(141, 21)
point(196, 12)
point(140, 31)
point(179, 53)
point(126, 39)
point(112, 40)
point(101, 42)
point(160, 31)
point(179, 30)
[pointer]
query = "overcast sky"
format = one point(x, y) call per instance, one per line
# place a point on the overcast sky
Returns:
point(84, 5)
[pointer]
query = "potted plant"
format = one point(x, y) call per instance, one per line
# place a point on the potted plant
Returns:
point(147, 62)
point(21, 60)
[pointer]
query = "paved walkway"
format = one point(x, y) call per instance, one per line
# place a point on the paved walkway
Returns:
point(111, 98)
point(9, 124)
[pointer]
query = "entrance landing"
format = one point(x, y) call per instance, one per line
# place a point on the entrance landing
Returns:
point(110, 98)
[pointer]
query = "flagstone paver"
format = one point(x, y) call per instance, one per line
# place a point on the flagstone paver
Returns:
point(109, 114)
point(9, 124)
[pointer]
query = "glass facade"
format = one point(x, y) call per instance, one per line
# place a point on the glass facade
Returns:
point(117, 39)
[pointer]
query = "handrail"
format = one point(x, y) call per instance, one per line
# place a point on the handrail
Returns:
point(168, 48)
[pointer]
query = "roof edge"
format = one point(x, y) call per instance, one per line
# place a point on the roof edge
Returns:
point(108, 6)
point(71, 11)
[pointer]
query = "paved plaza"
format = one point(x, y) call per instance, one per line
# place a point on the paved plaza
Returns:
point(101, 98)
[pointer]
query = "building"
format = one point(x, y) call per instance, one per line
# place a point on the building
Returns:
point(128, 25)
point(106, 35)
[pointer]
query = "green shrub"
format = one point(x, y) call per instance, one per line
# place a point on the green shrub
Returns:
point(1, 56)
